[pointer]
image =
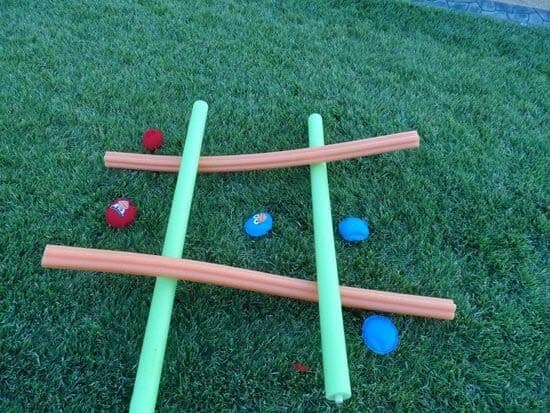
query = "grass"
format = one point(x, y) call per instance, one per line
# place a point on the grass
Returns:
point(465, 216)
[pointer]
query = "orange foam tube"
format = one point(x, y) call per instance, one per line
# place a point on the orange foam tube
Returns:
point(268, 160)
point(87, 259)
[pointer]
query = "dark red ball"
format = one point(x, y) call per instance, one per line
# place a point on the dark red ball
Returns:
point(152, 139)
point(120, 213)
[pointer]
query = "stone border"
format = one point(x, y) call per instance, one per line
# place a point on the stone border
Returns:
point(523, 15)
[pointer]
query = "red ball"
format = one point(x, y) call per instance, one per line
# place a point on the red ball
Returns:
point(152, 139)
point(120, 213)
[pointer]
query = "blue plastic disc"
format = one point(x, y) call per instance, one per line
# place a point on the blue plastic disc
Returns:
point(258, 225)
point(353, 229)
point(380, 334)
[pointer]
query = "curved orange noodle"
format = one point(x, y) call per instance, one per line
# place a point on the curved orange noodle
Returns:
point(88, 259)
point(268, 160)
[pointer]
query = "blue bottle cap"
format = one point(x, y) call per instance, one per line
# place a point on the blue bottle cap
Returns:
point(353, 229)
point(258, 225)
point(380, 334)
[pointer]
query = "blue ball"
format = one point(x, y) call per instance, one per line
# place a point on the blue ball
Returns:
point(380, 334)
point(258, 225)
point(353, 229)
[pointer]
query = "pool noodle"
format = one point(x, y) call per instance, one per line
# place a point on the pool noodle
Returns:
point(333, 341)
point(269, 160)
point(123, 262)
point(156, 333)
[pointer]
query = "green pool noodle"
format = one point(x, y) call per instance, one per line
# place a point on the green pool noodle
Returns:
point(333, 341)
point(151, 360)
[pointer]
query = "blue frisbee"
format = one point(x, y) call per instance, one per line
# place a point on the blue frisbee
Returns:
point(353, 229)
point(380, 334)
point(258, 225)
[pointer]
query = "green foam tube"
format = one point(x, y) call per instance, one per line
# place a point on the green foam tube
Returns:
point(149, 370)
point(333, 341)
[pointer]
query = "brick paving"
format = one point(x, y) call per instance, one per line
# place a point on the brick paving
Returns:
point(523, 15)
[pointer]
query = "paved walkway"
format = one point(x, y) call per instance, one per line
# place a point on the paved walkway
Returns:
point(522, 14)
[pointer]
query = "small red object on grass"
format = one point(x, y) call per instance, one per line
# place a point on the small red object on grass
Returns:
point(152, 139)
point(301, 368)
point(120, 213)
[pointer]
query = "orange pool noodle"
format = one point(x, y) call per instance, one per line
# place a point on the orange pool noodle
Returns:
point(87, 259)
point(268, 160)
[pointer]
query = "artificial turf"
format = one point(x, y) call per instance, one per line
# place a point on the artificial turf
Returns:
point(465, 216)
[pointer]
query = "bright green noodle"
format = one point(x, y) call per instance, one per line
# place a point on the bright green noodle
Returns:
point(156, 333)
point(335, 361)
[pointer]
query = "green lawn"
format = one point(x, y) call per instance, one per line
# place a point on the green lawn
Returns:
point(465, 216)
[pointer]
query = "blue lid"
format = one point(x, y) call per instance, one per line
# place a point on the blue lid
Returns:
point(353, 229)
point(380, 334)
point(258, 225)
